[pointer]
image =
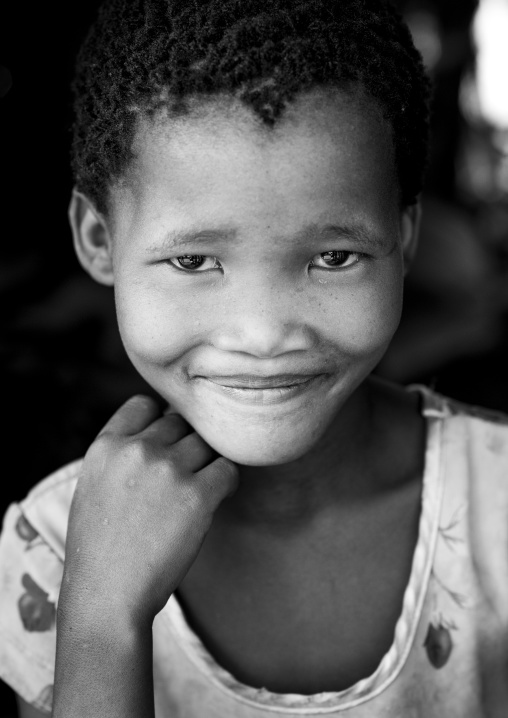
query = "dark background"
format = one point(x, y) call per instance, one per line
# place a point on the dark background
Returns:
point(64, 371)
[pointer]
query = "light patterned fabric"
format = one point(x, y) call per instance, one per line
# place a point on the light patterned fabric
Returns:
point(449, 657)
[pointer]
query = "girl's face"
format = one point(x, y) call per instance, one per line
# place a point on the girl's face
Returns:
point(238, 251)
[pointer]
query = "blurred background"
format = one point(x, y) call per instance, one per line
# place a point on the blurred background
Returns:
point(63, 368)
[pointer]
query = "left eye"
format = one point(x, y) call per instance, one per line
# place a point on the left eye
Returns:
point(336, 258)
point(190, 262)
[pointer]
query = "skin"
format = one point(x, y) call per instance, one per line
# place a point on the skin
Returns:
point(329, 481)
point(329, 162)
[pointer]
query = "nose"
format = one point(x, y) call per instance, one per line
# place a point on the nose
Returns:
point(264, 319)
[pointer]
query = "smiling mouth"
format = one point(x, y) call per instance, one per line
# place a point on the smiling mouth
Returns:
point(259, 391)
point(253, 382)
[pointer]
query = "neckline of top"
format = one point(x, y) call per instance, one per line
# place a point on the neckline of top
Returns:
point(434, 409)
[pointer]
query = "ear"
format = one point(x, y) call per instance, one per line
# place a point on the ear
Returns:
point(92, 240)
point(409, 230)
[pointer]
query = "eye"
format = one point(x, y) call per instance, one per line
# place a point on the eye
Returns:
point(336, 259)
point(193, 262)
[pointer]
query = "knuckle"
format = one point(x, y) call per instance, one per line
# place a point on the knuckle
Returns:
point(194, 498)
point(164, 465)
point(135, 451)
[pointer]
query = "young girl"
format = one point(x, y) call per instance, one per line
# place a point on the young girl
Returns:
point(284, 534)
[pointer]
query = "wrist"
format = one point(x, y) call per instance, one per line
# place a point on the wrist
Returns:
point(100, 622)
point(100, 608)
point(103, 667)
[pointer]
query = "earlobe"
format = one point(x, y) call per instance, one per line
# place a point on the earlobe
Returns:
point(92, 240)
point(410, 229)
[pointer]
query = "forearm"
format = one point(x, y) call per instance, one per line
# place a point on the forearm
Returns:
point(103, 668)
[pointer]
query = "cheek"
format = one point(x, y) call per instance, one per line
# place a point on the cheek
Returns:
point(364, 321)
point(155, 327)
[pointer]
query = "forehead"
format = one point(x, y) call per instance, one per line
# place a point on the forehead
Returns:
point(326, 145)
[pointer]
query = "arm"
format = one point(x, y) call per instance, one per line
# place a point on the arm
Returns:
point(143, 503)
point(103, 666)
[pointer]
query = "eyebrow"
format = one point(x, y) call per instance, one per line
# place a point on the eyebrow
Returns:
point(177, 239)
point(180, 239)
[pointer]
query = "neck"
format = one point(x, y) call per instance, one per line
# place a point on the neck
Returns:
point(288, 496)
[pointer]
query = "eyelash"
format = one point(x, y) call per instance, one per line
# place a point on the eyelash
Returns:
point(358, 255)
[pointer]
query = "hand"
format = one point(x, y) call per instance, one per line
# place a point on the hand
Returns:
point(142, 507)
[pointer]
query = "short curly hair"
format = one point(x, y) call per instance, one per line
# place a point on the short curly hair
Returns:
point(141, 55)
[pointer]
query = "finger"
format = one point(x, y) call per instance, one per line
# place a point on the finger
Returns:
point(192, 452)
point(169, 428)
point(170, 409)
point(219, 479)
point(134, 416)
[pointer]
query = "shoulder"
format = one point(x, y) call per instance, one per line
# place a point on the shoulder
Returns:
point(474, 443)
point(479, 413)
point(34, 529)
point(46, 507)
point(32, 552)
point(474, 447)
point(486, 434)
point(434, 402)
point(475, 421)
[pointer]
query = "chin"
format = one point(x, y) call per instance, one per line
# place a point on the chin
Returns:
point(248, 456)
point(264, 450)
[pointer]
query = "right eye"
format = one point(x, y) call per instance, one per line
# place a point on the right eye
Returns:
point(193, 263)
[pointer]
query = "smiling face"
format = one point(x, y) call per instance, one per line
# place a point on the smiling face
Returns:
point(291, 262)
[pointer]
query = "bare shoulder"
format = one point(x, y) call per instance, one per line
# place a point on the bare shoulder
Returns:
point(25, 710)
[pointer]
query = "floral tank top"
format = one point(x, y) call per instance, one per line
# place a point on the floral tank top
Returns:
point(449, 656)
